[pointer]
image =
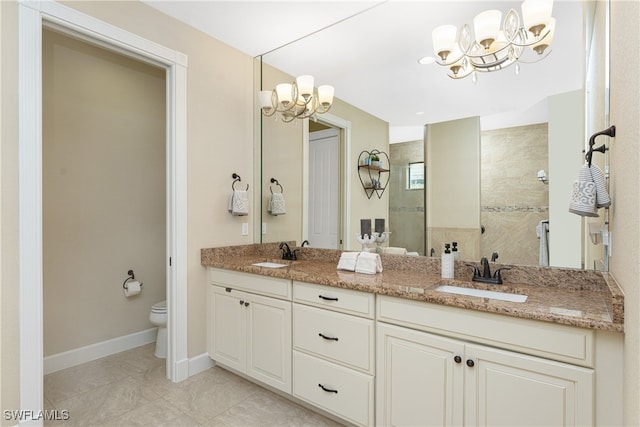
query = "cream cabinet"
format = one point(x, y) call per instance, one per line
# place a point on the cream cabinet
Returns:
point(334, 351)
point(424, 378)
point(251, 334)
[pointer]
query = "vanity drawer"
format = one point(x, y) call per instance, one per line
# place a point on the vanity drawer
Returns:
point(553, 341)
point(263, 285)
point(338, 299)
point(347, 393)
point(338, 337)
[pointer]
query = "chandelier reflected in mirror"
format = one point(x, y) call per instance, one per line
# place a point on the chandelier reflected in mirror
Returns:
point(490, 48)
point(297, 100)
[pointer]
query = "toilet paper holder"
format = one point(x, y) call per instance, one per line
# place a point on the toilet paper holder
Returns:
point(131, 277)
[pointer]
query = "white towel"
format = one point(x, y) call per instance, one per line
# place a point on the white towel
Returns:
point(348, 261)
point(239, 203)
point(368, 263)
point(395, 251)
point(602, 196)
point(276, 204)
point(542, 230)
point(583, 196)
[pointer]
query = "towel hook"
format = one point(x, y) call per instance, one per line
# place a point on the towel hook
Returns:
point(131, 277)
point(236, 178)
point(611, 131)
point(273, 180)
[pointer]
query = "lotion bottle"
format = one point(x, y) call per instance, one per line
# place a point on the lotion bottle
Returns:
point(454, 251)
point(447, 263)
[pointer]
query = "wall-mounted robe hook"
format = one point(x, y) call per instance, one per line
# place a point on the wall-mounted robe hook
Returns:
point(610, 131)
point(236, 178)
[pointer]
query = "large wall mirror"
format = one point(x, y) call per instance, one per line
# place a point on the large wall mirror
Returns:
point(485, 164)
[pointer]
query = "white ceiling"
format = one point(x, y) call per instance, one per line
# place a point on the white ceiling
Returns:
point(369, 51)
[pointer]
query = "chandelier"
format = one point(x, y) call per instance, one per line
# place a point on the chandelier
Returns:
point(297, 100)
point(494, 49)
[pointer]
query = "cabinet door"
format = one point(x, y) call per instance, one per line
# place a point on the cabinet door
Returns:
point(505, 388)
point(418, 382)
point(269, 341)
point(227, 327)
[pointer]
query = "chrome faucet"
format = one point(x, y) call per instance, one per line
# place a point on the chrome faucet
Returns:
point(287, 253)
point(485, 276)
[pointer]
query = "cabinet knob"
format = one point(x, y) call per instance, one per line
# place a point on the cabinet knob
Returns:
point(327, 337)
point(328, 390)
point(470, 363)
point(241, 302)
point(246, 304)
point(227, 289)
point(457, 359)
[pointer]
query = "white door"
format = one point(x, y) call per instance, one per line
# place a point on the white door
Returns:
point(324, 190)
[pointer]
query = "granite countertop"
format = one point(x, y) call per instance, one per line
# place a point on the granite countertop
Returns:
point(580, 298)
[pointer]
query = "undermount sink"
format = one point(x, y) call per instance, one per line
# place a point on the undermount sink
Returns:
point(270, 264)
point(502, 296)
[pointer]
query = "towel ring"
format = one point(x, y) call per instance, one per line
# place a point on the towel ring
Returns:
point(131, 277)
point(236, 178)
point(273, 180)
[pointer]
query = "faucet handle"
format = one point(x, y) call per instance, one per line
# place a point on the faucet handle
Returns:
point(497, 276)
point(476, 270)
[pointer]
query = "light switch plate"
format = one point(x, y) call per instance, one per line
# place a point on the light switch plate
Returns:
point(264, 228)
point(245, 228)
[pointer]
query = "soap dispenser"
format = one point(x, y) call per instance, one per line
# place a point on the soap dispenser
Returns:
point(454, 251)
point(447, 263)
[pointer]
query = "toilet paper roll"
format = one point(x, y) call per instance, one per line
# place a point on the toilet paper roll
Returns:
point(132, 288)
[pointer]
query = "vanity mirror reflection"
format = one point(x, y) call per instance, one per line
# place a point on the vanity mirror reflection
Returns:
point(520, 125)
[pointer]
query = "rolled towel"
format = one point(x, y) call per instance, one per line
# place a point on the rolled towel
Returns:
point(348, 261)
point(368, 263)
point(602, 195)
point(239, 203)
point(277, 205)
point(583, 196)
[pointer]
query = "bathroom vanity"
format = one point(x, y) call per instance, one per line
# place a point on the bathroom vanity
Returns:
point(390, 349)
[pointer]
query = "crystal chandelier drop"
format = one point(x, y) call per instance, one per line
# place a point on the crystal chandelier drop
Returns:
point(297, 100)
point(493, 49)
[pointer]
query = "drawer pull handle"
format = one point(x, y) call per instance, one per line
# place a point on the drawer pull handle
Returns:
point(327, 298)
point(328, 390)
point(328, 338)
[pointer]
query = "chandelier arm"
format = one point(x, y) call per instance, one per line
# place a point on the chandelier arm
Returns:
point(538, 58)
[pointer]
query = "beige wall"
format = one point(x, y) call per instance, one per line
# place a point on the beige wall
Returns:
point(625, 180)
point(104, 143)
point(452, 154)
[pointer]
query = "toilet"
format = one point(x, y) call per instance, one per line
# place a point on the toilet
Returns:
point(158, 317)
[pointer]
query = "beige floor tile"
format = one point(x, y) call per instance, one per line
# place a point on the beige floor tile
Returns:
point(264, 408)
point(105, 402)
point(156, 413)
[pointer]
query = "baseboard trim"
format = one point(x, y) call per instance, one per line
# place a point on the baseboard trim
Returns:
point(67, 359)
point(199, 364)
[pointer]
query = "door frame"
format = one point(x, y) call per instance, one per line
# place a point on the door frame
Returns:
point(32, 17)
point(344, 142)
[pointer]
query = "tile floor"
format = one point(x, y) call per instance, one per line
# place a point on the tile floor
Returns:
point(130, 389)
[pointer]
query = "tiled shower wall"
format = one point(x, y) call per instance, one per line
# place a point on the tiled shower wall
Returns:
point(406, 207)
point(513, 199)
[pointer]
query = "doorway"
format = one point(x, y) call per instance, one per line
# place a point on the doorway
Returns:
point(32, 17)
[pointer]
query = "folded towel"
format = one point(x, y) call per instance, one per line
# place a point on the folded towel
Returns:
point(348, 261)
point(395, 251)
point(583, 196)
point(368, 263)
point(602, 195)
point(239, 203)
point(276, 204)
